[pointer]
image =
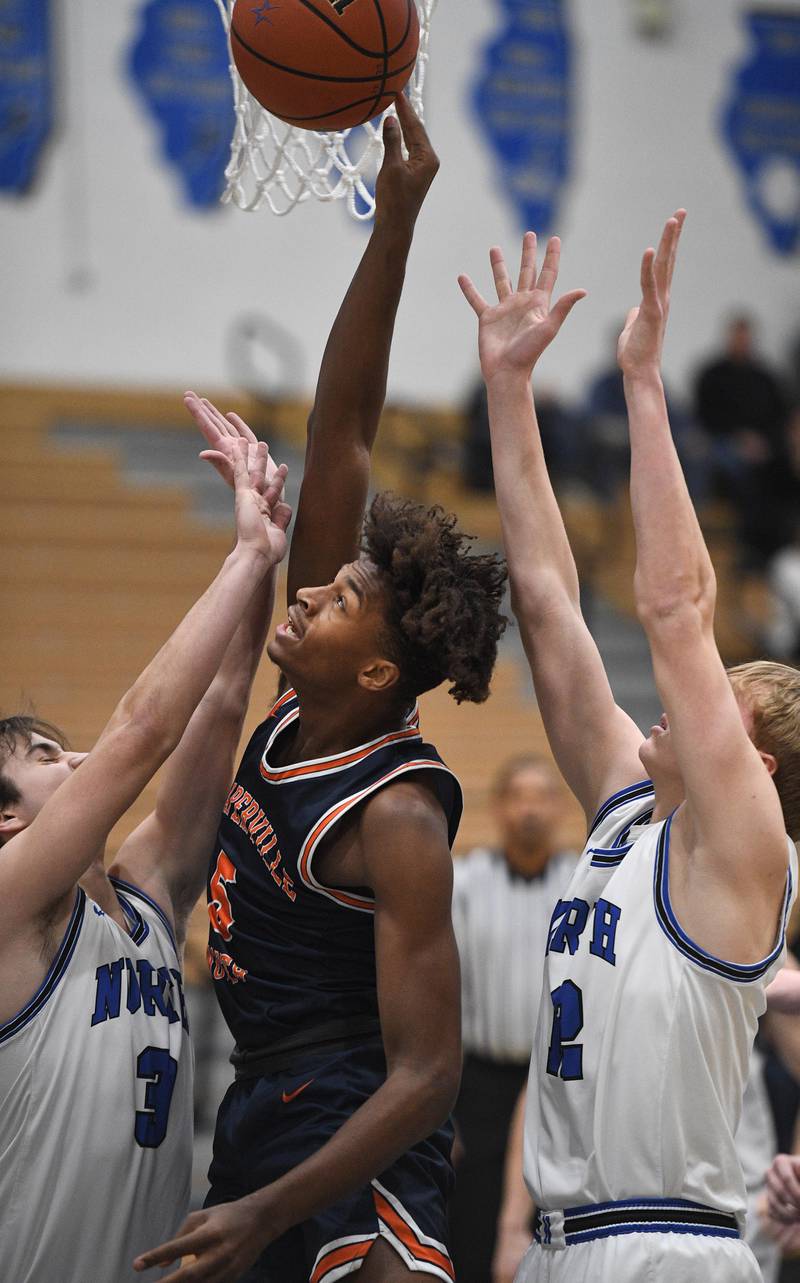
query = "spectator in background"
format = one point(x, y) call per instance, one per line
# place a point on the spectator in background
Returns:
point(742, 409)
point(561, 432)
point(503, 900)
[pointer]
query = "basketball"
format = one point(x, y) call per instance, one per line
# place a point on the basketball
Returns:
point(325, 64)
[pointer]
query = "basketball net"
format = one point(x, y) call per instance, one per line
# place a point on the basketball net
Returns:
point(279, 165)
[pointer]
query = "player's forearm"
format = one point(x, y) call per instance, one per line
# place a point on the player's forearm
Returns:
point(169, 689)
point(407, 1108)
point(352, 380)
point(537, 548)
point(673, 569)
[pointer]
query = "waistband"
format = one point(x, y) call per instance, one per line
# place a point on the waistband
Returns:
point(332, 1036)
point(563, 1227)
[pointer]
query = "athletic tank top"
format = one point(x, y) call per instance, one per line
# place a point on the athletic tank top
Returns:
point(287, 952)
point(96, 1103)
point(643, 1039)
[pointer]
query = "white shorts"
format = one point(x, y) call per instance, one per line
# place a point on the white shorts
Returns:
point(642, 1258)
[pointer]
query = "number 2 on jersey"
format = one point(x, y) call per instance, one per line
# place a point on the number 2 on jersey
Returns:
point(564, 1056)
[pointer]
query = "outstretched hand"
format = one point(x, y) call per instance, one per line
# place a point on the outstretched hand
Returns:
point(514, 332)
point(642, 340)
point(403, 183)
point(262, 515)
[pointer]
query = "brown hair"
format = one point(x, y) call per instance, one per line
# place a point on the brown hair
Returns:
point(443, 615)
point(771, 692)
point(20, 727)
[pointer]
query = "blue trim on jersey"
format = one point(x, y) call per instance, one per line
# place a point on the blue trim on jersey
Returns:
point(137, 891)
point(742, 973)
point(652, 1227)
point(138, 929)
point(634, 1216)
point(54, 975)
point(629, 794)
point(606, 857)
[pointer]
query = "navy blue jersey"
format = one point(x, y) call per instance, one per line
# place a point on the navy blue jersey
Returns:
point(288, 953)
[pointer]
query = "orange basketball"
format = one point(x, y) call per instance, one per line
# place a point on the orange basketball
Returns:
point(325, 64)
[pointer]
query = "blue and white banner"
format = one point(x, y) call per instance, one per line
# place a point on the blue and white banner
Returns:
point(179, 64)
point(25, 89)
point(761, 124)
point(523, 101)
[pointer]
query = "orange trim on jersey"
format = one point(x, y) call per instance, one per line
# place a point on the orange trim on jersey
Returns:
point(284, 699)
point(322, 764)
point(341, 1256)
point(316, 834)
point(403, 1231)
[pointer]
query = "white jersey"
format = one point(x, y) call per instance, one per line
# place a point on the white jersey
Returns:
point(96, 1103)
point(643, 1040)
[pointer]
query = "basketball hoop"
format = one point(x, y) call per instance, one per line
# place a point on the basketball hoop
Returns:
point(279, 165)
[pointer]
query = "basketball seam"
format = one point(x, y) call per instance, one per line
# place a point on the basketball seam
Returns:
point(373, 108)
point(313, 75)
point(369, 53)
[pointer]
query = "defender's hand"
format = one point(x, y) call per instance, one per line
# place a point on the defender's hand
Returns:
point(642, 339)
point(215, 1246)
point(403, 183)
point(513, 333)
point(783, 1189)
point(261, 515)
point(219, 431)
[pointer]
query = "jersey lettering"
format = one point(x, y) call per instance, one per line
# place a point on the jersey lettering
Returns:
point(606, 917)
point(149, 989)
point(567, 925)
point(222, 966)
point(219, 906)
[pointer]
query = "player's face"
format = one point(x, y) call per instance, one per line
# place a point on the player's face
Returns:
point(37, 770)
point(656, 753)
point(333, 632)
point(529, 809)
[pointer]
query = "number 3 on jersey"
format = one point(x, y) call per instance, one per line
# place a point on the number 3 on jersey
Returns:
point(219, 906)
point(564, 1056)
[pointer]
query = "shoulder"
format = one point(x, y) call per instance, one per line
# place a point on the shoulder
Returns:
point(404, 840)
point(408, 805)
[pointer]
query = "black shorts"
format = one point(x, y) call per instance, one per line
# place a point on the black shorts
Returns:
point(268, 1125)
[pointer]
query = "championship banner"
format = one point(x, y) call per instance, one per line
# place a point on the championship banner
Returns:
point(25, 89)
point(523, 102)
point(179, 65)
point(761, 124)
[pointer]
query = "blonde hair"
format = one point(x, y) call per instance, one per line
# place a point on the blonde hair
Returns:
point(771, 692)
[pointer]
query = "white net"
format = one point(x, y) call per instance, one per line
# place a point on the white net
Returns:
point(279, 165)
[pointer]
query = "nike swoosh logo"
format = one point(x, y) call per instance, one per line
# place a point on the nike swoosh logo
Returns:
point(290, 1095)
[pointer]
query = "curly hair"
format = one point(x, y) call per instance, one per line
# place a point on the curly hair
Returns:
point(443, 601)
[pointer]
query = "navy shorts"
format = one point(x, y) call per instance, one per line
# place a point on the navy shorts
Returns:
point(268, 1125)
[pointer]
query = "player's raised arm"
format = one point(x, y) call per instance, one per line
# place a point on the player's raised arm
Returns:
point(42, 862)
point(729, 850)
point(594, 742)
point(352, 379)
point(167, 854)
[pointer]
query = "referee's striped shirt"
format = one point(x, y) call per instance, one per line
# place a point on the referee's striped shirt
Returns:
point(501, 920)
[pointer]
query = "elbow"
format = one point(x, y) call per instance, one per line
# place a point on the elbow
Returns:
point(676, 600)
point(144, 724)
point(437, 1092)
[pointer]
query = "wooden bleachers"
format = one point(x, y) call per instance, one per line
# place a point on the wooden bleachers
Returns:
point(98, 573)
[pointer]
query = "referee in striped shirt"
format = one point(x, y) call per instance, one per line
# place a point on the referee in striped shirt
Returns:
point(502, 903)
